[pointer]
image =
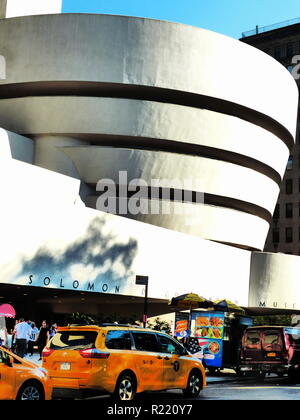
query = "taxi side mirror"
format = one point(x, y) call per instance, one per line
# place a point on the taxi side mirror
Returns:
point(184, 352)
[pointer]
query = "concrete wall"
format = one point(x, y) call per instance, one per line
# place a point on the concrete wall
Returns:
point(61, 244)
point(274, 281)
point(15, 146)
point(195, 103)
point(74, 247)
point(90, 95)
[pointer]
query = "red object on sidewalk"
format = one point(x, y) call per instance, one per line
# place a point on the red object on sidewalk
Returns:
point(7, 311)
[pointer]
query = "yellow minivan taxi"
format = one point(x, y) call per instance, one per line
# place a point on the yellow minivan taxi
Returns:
point(119, 360)
point(21, 379)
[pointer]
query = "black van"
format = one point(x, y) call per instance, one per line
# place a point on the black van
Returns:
point(271, 349)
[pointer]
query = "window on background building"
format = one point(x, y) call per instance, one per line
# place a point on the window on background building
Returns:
point(290, 49)
point(277, 212)
point(289, 234)
point(290, 163)
point(289, 186)
point(289, 210)
point(277, 52)
point(275, 236)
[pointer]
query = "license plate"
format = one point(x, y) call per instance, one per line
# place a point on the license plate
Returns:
point(65, 366)
point(271, 354)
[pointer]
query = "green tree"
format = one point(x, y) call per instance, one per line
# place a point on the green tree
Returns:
point(284, 320)
point(160, 325)
point(81, 318)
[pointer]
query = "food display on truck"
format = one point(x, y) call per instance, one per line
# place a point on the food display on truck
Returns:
point(181, 325)
point(214, 337)
point(209, 330)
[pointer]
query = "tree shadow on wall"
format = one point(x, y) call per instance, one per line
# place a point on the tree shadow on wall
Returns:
point(96, 249)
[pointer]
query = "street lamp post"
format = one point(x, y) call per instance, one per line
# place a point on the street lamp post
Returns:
point(143, 280)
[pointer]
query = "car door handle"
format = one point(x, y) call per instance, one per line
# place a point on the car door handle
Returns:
point(159, 357)
point(167, 358)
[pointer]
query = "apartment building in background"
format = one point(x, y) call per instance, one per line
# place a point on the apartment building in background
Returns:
point(282, 42)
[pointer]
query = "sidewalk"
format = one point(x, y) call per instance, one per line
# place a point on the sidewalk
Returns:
point(34, 359)
point(226, 375)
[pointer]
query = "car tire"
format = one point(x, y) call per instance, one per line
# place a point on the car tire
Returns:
point(31, 391)
point(194, 384)
point(293, 376)
point(125, 388)
point(240, 373)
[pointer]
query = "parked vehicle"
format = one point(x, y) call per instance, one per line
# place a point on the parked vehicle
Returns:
point(213, 337)
point(271, 349)
point(120, 360)
point(21, 379)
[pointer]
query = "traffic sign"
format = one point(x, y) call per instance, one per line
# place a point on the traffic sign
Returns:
point(143, 280)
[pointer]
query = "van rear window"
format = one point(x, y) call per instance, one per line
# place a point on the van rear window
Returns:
point(272, 341)
point(73, 340)
point(252, 340)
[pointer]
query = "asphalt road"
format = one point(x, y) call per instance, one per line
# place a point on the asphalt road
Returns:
point(273, 388)
point(270, 389)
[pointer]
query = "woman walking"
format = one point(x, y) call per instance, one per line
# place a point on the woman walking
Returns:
point(42, 338)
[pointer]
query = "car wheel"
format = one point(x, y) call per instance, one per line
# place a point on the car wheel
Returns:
point(240, 373)
point(31, 391)
point(125, 389)
point(261, 376)
point(194, 385)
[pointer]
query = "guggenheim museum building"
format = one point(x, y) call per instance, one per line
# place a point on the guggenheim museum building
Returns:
point(132, 146)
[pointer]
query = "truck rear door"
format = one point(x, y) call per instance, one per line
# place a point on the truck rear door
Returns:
point(292, 338)
point(251, 347)
point(273, 346)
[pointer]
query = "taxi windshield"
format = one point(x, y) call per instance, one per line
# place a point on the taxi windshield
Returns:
point(73, 340)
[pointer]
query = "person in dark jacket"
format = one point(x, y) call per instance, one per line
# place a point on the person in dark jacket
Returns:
point(43, 337)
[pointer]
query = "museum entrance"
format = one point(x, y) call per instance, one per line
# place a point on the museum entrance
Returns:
point(39, 303)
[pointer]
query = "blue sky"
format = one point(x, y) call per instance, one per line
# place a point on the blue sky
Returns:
point(229, 17)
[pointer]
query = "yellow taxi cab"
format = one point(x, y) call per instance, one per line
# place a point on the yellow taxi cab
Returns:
point(119, 360)
point(21, 379)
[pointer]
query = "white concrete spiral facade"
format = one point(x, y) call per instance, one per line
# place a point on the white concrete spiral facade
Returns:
point(100, 93)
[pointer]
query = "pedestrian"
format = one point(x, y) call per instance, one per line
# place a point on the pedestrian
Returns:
point(3, 333)
point(13, 337)
point(43, 337)
point(10, 339)
point(52, 331)
point(32, 338)
point(22, 331)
